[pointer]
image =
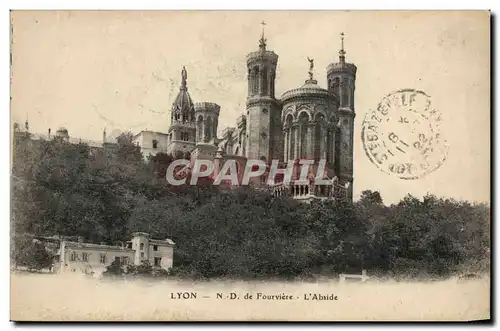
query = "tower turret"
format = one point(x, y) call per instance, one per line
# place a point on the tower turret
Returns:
point(207, 121)
point(263, 120)
point(341, 84)
point(182, 131)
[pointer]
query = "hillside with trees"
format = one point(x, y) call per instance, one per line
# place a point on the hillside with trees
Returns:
point(67, 189)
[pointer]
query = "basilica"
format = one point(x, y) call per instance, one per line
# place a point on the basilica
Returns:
point(308, 122)
point(305, 123)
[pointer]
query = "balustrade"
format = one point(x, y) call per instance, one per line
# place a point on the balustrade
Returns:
point(306, 190)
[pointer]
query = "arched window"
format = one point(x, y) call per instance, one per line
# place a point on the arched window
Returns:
point(319, 136)
point(271, 92)
point(208, 129)
point(337, 151)
point(214, 128)
point(302, 139)
point(329, 146)
point(255, 80)
point(346, 91)
point(263, 88)
point(317, 141)
point(199, 128)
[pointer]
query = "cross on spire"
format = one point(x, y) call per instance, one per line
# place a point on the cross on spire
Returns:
point(262, 42)
point(342, 51)
point(263, 23)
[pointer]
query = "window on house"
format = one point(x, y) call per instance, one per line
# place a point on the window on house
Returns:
point(129, 245)
point(142, 254)
point(117, 259)
point(73, 256)
point(85, 257)
point(157, 261)
point(142, 246)
point(155, 247)
point(155, 143)
point(103, 259)
point(124, 260)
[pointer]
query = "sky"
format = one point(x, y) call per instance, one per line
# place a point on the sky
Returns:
point(89, 70)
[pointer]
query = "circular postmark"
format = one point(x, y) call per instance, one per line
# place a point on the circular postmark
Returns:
point(402, 136)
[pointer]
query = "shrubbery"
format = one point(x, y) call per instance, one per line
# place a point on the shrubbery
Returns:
point(31, 254)
point(144, 270)
point(240, 233)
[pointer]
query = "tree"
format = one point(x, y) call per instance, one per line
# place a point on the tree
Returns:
point(370, 197)
point(236, 233)
point(113, 270)
point(31, 254)
point(143, 270)
point(128, 152)
point(40, 258)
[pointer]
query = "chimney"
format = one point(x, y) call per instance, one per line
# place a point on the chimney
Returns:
point(49, 133)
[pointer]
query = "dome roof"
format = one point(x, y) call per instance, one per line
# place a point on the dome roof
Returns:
point(309, 89)
point(183, 101)
point(62, 131)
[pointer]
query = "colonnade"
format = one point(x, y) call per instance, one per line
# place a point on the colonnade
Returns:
point(308, 140)
point(301, 190)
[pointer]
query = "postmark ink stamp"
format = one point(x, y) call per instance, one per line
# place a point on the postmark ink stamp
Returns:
point(402, 136)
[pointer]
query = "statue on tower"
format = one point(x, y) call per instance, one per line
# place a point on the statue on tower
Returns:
point(184, 75)
point(311, 67)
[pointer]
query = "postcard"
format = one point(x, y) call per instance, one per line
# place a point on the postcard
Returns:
point(250, 166)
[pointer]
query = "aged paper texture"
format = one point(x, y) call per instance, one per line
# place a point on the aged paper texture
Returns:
point(250, 166)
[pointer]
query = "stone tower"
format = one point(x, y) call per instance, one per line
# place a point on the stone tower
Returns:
point(182, 131)
point(341, 83)
point(207, 121)
point(263, 120)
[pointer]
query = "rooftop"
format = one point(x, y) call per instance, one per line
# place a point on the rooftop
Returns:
point(309, 89)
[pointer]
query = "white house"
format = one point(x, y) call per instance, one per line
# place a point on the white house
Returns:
point(93, 258)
